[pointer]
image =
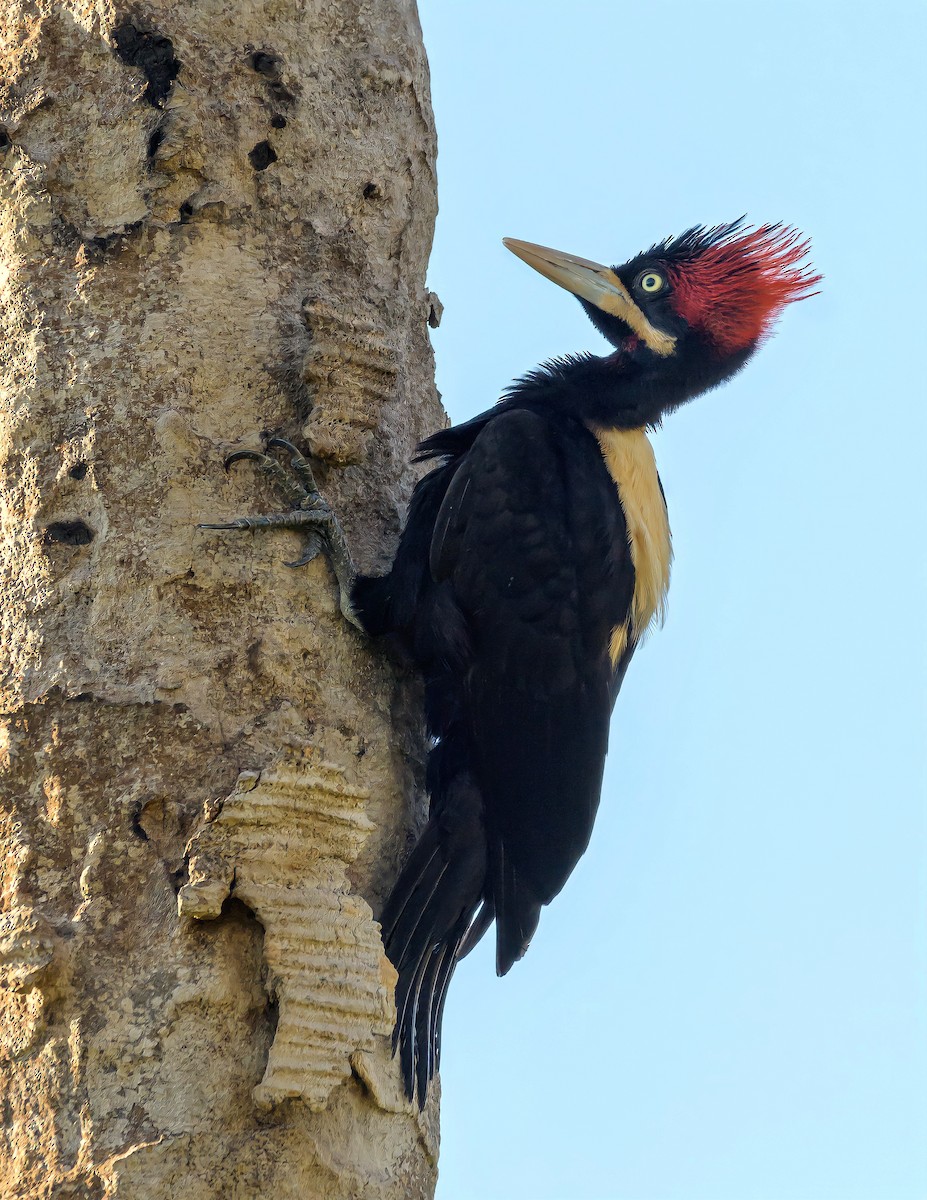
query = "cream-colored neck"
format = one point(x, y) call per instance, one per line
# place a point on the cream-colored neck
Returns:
point(629, 458)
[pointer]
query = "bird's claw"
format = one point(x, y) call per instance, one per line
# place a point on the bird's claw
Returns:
point(300, 489)
point(242, 454)
point(310, 513)
point(240, 523)
point(313, 546)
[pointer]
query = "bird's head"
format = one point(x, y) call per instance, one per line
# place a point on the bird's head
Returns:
point(685, 315)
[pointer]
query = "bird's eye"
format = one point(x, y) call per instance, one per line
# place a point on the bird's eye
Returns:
point(651, 282)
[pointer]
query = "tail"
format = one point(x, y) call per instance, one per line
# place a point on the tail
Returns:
point(516, 907)
point(426, 922)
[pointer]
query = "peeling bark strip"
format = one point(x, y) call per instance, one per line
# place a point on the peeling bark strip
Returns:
point(350, 373)
point(282, 843)
point(214, 220)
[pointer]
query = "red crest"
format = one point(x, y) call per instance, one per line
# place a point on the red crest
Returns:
point(733, 282)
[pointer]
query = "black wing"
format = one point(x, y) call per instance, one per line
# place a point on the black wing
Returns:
point(532, 541)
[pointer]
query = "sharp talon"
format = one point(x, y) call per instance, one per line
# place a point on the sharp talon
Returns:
point(311, 552)
point(298, 461)
point(309, 512)
point(254, 455)
point(307, 558)
point(282, 444)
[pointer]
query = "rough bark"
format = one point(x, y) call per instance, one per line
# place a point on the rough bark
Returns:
point(215, 222)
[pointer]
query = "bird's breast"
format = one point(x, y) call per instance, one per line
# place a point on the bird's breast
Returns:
point(629, 458)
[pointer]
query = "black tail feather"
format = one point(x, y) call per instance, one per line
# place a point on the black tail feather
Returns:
point(407, 992)
point(407, 914)
point(451, 960)
point(425, 920)
point(426, 1017)
point(478, 926)
point(517, 910)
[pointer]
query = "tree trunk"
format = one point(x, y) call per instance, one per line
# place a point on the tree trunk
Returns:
point(215, 222)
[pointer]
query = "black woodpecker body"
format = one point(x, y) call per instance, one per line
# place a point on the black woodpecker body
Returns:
point(535, 556)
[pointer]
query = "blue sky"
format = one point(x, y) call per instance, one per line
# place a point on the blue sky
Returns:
point(729, 1000)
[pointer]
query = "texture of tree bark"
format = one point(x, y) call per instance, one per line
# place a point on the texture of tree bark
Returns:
point(215, 222)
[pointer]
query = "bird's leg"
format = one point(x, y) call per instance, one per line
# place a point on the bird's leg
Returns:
point(310, 513)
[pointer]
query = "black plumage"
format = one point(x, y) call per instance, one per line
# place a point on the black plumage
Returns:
point(519, 561)
point(527, 574)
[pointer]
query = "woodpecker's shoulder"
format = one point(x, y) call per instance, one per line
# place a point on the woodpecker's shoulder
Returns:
point(456, 440)
point(516, 418)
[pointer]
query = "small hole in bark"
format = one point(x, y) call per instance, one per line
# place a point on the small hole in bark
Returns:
point(278, 121)
point(265, 63)
point(136, 823)
point(156, 140)
point(153, 54)
point(262, 156)
point(5, 142)
point(78, 471)
point(371, 192)
point(272, 1013)
point(69, 533)
point(186, 212)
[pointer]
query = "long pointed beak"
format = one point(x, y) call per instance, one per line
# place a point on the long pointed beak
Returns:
point(597, 284)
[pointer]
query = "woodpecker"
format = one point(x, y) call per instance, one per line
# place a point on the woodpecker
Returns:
point(534, 558)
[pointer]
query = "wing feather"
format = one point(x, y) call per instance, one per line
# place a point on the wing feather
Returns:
point(531, 538)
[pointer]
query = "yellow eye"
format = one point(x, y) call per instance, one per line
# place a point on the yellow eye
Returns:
point(651, 282)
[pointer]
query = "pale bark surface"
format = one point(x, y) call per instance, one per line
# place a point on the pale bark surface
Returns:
point(215, 221)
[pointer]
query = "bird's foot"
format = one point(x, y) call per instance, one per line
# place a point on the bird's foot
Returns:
point(310, 512)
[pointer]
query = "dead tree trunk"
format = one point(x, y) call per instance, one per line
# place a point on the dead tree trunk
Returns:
point(215, 222)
